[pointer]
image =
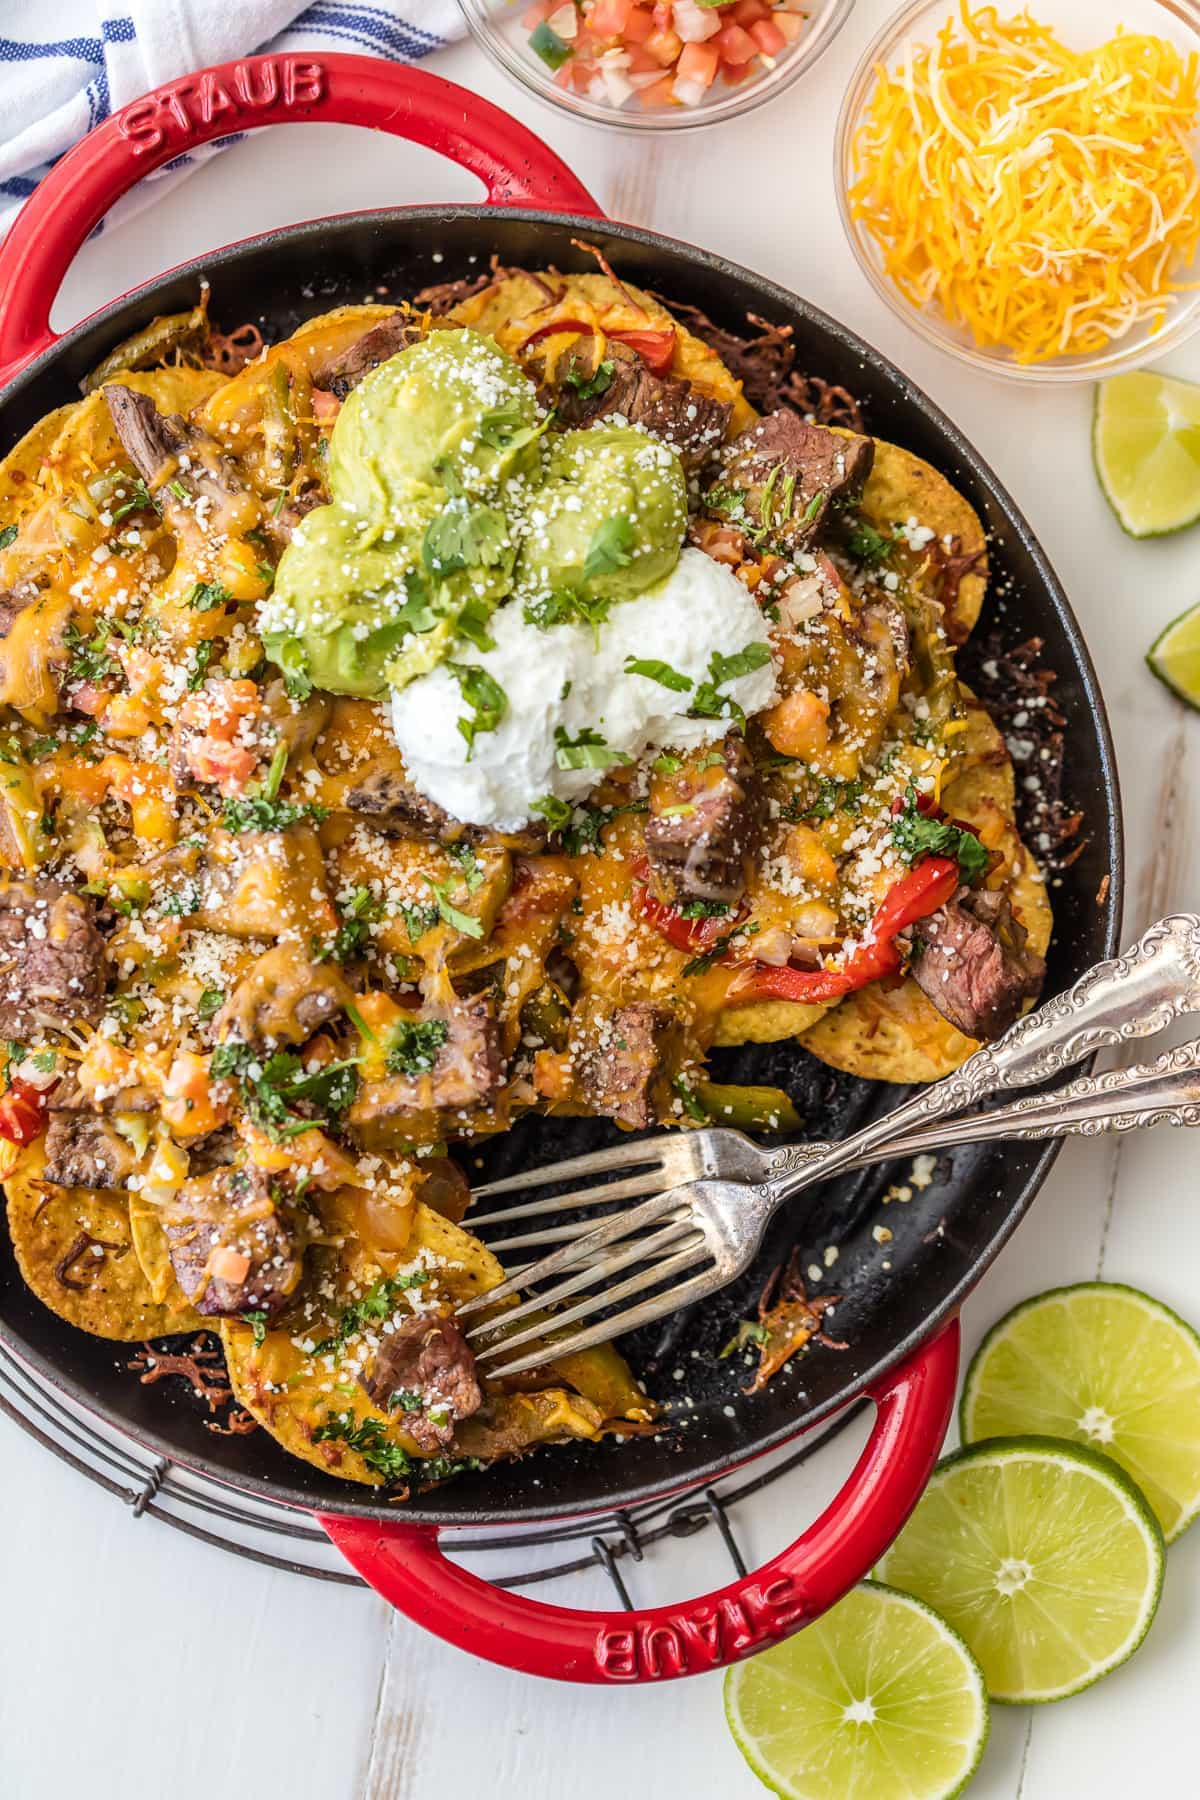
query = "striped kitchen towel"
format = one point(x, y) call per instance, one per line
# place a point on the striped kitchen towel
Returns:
point(66, 64)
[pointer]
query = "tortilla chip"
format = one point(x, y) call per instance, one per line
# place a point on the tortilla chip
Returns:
point(56, 1233)
point(506, 312)
point(153, 1253)
point(293, 1398)
point(901, 487)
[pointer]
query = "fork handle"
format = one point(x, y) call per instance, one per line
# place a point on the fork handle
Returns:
point(1165, 1092)
point(1130, 996)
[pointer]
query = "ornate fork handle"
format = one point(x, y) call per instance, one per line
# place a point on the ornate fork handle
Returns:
point(1164, 1092)
point(1130, 996)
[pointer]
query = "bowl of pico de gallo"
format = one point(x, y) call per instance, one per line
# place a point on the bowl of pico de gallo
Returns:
point(655, 65)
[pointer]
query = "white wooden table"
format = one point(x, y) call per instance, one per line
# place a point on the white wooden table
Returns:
point(136, 1662)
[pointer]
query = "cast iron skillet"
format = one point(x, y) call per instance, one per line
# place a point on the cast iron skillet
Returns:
point(894, 1298)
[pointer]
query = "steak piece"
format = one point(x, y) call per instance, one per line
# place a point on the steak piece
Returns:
point(974, 963)
point(700, 854)
point(84, 1150)
point(52, 967)
point(426, 1368)
point(789, 473)
point(461, 1072)
point(236, 1218)
point(693, 423)
point(375, 346)
point(182, 464)
point(282, 998)
point(617, 1056)
point(394, 805)
point(12, 602)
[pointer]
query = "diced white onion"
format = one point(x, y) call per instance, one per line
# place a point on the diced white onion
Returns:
point(688, 93)
point(644, 79)
point(565, 21)
point(618, 87)
point(695, 23)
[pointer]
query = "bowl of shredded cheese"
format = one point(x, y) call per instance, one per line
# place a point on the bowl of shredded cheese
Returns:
point(1022, 185)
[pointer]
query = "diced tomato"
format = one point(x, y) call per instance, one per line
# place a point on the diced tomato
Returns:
point(664, 47)
point(535, 14)
point(768, 37)
point(725, 544)
point(699, 62)
point(608, 18)
point(663, 14)
point(326, 406)
point(749, 12)
point(656, 348)
point(736, 46)
point(23, 1113)
point(926, 887)
point(640, 61)
point(790, 24)
point(662, 93)
point(227, 766)
point(639, 25)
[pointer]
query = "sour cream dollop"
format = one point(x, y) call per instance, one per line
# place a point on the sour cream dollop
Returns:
point(562, 680)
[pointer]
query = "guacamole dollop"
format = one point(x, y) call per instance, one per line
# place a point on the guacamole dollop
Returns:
point(448, 496)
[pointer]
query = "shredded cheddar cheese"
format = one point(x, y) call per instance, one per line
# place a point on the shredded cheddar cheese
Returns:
point(1045, 199)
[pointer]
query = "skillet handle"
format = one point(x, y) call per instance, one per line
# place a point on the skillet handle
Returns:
point(515, 167)
point(405, 1564)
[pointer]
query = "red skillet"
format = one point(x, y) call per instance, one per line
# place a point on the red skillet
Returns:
point(902, 1329)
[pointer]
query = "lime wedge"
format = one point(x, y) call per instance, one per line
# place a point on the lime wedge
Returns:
point(1044, 1556)
point(1174, 656)
point(1146, 442)
point(877, 1698)
point(1105, 1366)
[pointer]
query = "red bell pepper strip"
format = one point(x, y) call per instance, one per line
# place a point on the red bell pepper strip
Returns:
point(558, 325)
point(23, 1113)
point(691, 935)
point(926, 887)
point(656, 348)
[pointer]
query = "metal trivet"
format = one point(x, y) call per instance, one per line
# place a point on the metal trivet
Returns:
point(154, 1487)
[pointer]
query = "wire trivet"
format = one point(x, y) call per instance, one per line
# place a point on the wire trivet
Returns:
point(154, 1487)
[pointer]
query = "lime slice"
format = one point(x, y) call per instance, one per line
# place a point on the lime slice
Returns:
point(1174, 656)
point(878, 1698)
point(1044, 1556)
point(1105, 1366)
point(1146, 442)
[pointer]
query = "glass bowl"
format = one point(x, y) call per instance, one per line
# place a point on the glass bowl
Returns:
point(1080, 23)
point(496, 26)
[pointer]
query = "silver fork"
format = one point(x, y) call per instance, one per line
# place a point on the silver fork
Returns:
point(1116, 1001)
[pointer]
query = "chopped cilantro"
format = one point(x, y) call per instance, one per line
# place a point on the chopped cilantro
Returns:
point(88, 659)
point(832, 796)
point(662, 672)
point(206, 596)
point(8, 536)
point(556, 812)
point(916, 835)
point(667, 764)
point(588, 387)
point(461, 921)
point(587, 751)
point(418, 920)
point(611, 547)
point(700, 965)
point(484, 695)
point(703, 909)
point(272, 1086)
point(867, 546)
point(361, 910)
point(200, 662)
point(257, 1322)
point(464, 537)
point(566, 607)
point(255, 812)
point(378, 1303)
point(138, 499)
point(211, 1001)
point(181, 903)
point(414, 1046)
point(708, 702)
